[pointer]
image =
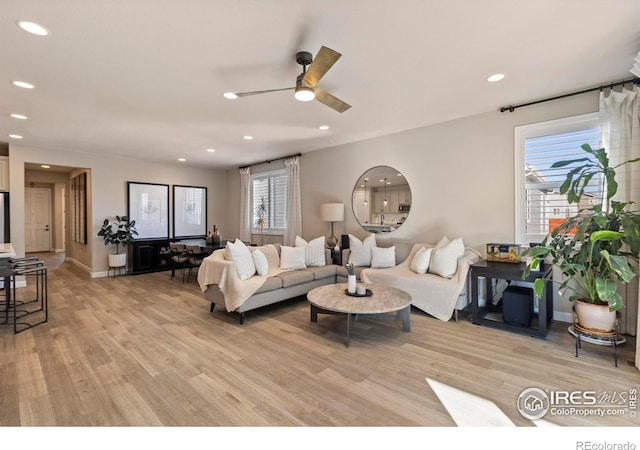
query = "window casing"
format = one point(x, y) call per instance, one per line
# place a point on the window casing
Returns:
point(272, 187)
point(539, 205)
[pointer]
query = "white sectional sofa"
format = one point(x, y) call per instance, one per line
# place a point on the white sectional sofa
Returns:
point(437, 295)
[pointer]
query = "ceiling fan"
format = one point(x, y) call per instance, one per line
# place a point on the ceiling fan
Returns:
point(305, 88)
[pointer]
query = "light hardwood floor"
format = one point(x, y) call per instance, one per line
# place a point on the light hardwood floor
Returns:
point(145, 351)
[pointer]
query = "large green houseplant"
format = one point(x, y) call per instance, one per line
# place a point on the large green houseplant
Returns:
point(597, 248)
point(118, 232)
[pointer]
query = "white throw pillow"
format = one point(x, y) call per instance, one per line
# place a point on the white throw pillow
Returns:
point(241, 256)
point(420, 261)
point(314, 251)
point(292, 257)
point(360, 251)
point(383, 257)
point(261, 263)
point(444, 260)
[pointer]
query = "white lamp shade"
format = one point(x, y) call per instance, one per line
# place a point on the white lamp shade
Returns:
point(332, 212)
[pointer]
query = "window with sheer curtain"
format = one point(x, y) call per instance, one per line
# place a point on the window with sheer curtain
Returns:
point(270, 189)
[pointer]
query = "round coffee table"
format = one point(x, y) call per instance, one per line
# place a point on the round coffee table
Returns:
point(332, 299)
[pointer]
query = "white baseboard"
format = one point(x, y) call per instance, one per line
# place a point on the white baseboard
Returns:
point(79, 264)
point(58, 250)
point(99, 274)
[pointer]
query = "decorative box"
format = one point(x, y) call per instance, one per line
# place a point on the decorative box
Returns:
point(504, 252)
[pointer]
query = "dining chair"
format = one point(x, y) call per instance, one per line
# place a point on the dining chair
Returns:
point(195, 254)
point(179, 258)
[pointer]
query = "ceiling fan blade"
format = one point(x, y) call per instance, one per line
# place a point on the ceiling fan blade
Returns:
point(323, 61)
point(246, 94)
point(332, 102)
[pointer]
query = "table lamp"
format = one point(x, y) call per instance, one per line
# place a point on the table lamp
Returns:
point(332, 212)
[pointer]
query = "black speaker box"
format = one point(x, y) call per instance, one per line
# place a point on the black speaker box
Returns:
point(517, 305)
point(345, 241)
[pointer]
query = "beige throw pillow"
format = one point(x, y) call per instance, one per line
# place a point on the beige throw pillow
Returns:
point(360, 251)
point(444, 259)
point(420, 261)
point(241, 256)
point(383, 257)
point(314, 251)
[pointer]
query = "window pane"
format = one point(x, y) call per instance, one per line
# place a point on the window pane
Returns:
point(270, 189)
point(545, 207)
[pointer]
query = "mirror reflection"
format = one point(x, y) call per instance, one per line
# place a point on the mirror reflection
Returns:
point(381, 199)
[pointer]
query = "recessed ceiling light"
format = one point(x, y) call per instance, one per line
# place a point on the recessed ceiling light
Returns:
point(230, 95)
point(182, 159)
point(18, 116)
point(495, 77)
point(15, 136)
point(247, 137)
point(45, 166)
point(23, 84)
point(323, 127)
point(211, 150)
point(33, 28)
point(399, 174)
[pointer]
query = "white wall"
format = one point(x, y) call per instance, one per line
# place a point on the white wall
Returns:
point(109, 176)
point(461, 175)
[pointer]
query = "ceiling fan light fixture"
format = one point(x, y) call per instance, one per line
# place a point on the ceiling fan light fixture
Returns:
point(304, 93)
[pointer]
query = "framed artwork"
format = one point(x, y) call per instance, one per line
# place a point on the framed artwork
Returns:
point(189, 211)
point(79, 208)
point(148, 205)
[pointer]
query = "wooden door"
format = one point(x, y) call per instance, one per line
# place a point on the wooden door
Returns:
point(37, 220)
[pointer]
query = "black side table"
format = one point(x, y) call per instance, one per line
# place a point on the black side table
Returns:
point(491, 270)
point(336, 256)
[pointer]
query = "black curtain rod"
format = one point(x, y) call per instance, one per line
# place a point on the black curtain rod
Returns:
point(269, 161)
point(599, 88)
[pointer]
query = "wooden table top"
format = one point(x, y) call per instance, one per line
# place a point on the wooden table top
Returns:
point(332, 297)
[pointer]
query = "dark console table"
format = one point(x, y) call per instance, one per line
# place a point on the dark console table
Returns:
point(147, 255)
point(490, 315)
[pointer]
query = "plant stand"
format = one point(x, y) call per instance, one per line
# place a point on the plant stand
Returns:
point(118, 270)
point(612, 339)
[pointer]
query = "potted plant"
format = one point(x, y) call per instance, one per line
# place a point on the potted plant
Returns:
point(261, 210)
point(597, 248)
point(118, 232)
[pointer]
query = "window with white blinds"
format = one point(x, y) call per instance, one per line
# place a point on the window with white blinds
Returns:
point(539, 205)
point(270, 188)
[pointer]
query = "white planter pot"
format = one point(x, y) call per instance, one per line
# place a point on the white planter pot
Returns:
point(119, 260)
point(595, 317)
point(351, 284)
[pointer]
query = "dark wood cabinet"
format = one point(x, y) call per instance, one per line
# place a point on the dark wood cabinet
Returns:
point(512, 272)
point(148, 255)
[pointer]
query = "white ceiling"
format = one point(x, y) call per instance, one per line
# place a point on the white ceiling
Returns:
point(145, 78)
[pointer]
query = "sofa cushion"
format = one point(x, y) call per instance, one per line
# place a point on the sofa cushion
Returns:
point(295, 277)
point(314, 251)
point(360, 255)
point(323, 272)
point(444, 259)
point(292, 257)
point(382, 258)
point(271, 284)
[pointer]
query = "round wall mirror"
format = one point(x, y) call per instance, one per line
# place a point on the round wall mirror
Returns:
point(381, 199)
